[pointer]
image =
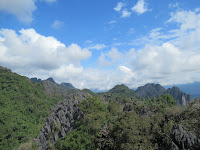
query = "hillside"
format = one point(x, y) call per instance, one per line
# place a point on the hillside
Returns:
point(41, 114)
point(24, 107)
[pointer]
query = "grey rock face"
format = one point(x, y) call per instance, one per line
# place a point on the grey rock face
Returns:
point(177, 94)
point(60, 121)
point(183, 139)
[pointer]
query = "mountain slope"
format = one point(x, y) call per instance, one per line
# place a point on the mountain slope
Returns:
point(24, 107)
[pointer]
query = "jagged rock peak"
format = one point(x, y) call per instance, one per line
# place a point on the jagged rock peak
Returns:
point(51, 80)
point(68, 85)
point(60, 121)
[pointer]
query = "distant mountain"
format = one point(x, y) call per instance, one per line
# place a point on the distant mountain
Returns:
point(53, 88)
point(51, 80)
point(36, 80)
point(118, 93)
point(67, 85)
point(190, 88)
point(177, 94)
point(155, 90)
point(150, 90)
point(122, 90)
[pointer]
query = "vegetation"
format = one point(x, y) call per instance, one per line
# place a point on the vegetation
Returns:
point(115, 120)
point(108, 126)
point(24, 108)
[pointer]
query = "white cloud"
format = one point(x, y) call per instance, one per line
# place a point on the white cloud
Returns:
point(97, 46)
point(102, 61)
point(110, 58)
point(187, 19)
point(174, 5)
point(197, 10)
point(23, 9)
point(30, 51)
point(119, 6)
point(113, 21)
point(174, 61)
point(57, 24)
point(114, 54)
point(140, 7)
point(125, 14)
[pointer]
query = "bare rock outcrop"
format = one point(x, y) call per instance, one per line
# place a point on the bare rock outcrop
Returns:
point(183, 139)
point(60, 121)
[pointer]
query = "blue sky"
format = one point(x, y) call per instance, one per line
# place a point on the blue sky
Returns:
point(100, 43)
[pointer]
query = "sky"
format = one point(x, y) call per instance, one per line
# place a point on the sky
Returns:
point(98, 44)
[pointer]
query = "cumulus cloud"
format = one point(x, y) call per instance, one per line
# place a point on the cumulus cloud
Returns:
point(23, 9)
point(114, 54)
point(119, 6)
point(140, 7)
point(102, 61)
point(125, 14)
point(57, 24)
point(173, 61)
point(30, 51)
point(187, 19)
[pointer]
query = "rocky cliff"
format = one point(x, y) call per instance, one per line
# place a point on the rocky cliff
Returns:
point(60, 121)
point(177, 94)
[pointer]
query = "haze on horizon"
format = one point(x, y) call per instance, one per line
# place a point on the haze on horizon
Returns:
point(98, 44)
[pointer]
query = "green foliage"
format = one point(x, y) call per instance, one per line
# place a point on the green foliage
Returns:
point(95, 115)
point(76, 140)
point(161, 102)
point(132, 132)
point(23, 109)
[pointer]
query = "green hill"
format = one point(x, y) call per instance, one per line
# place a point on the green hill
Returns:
point(119, 93)
point(24, 107)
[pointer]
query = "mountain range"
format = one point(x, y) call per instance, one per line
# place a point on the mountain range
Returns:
point(149, 90)
point(42, 114)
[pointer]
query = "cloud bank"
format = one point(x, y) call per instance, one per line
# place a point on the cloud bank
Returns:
point(167, 57)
